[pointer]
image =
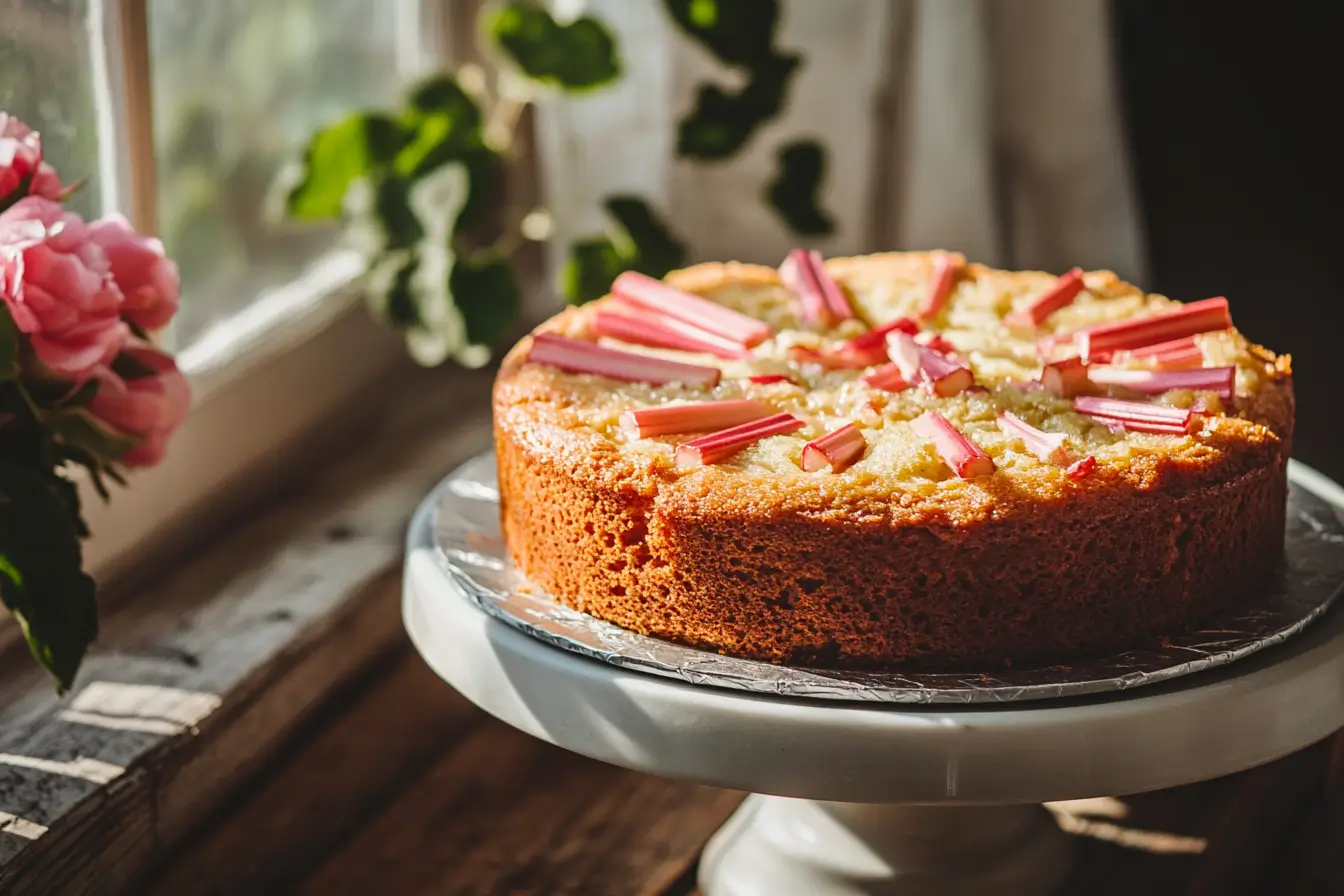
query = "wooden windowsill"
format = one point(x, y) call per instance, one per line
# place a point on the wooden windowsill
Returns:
point(198, 678)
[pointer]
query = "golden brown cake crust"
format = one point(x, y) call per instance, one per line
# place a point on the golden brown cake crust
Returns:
point(840, 571)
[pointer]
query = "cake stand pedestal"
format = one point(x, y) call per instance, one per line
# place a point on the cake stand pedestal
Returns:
point(855, 798)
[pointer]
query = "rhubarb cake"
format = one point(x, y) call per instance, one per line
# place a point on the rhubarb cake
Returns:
point(902, 459)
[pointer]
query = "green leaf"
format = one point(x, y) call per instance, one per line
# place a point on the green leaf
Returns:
point(129, 367)
point(74, 428)
point(80, 397)
point(9, 346)
point(589, 270)
point(388, 288)
point(96, 470)
point(793, 192)
point(445, 125)
point(643, 238)
point(721, 122)
point(486, 291)
point(41, 571)
point(639, 241)
point(442, 121)
point(441, 95)
point(579, 55)
point(361, 145)
point(738, 32)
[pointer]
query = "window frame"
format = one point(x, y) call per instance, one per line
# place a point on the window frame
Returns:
point(303, 355)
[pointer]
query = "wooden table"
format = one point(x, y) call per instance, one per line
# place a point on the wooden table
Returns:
point(401, 786)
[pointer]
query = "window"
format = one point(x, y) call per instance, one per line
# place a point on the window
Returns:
point(46, 79)
point(182, 115)
point(289, 66)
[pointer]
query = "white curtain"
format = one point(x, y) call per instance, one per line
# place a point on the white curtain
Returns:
point(988, 126)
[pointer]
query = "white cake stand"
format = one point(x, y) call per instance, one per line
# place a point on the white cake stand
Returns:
point(856, 798)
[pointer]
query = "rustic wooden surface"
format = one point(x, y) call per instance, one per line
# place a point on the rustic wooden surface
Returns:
point(195, 684)
point(405, 788)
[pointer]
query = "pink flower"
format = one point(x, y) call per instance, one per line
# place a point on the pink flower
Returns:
point(147, 408)
point(58, 286)
point(21, 160)
point(147, 278)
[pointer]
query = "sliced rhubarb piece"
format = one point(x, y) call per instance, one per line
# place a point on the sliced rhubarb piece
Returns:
point(586, 357)
point(945, 271)
point(1060, 295)
point(932, 339)
point(1080, 468)
point(656, 295)
point(1178, 354)
point(943, 376)
point(862, 351)
point(962, 455)
point(831, 291)
point(873, 344)
point(888, 378)
point(1138, 416)
point(1065, 378)
point(661, 331)
point(939, 374)
point(1197, 317)
point(1047, 446)
point(796, 273)
point(718, 446)
point(698, 416)
point(1152, 382)
point(766, 379)
point(835, 450)
point(906, 353)
point(822, 299)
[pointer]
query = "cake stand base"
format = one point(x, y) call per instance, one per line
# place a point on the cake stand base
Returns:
point(882, 798)
point(776, 846)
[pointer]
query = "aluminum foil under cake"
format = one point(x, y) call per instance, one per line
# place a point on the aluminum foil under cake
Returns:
point(472, 552)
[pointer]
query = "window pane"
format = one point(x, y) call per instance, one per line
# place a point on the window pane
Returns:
point(46, 80)
point(239, 85)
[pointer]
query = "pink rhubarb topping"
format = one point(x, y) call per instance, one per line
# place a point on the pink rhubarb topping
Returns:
point(939, 374)
point(1178, 354)
point(1058, 296)
point(644, 327)
point(655, 295)
point(766, 379)
point(719, 446)
point(835, 450)
point(1138, 416)
point(823, 300)
point(698, 416)
point(1189, 320)
point(962, 455)
point(1046, 446)
point(1221, 380)
point(1080, 468)
point(586, 357)
point(1065, 378)
point(932, 339)
point(945, 271)
point(863, 350)
point(888, 378)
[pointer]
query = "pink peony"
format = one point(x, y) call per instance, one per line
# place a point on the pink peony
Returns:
point(148, 408)
point(59, 289)
point(21, 160)
point(147, 278)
